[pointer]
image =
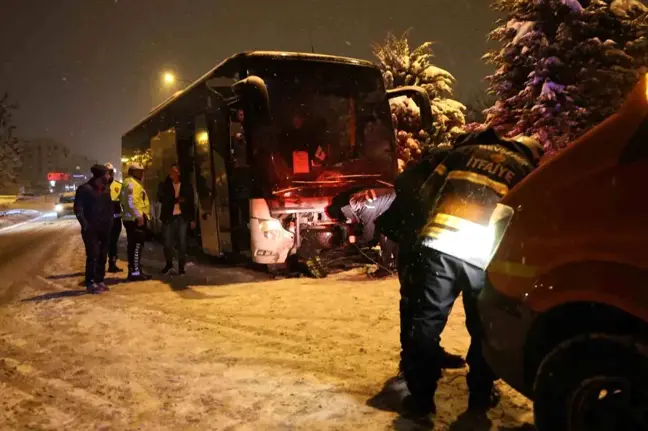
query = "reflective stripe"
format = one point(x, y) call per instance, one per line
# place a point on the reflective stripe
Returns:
point(513, 269)
point(499, 188)
point(432, 231)
point(450, 221)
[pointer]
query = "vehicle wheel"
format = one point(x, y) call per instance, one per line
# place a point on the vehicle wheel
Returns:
point(593, 383)
point(278, 268)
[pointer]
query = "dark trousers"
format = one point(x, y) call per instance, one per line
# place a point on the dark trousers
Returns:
point(114, 238)
point(388, 252)
point(174, 231)
point(403, 261)
point(437, 280)
point(96, 247)
point(136, 235)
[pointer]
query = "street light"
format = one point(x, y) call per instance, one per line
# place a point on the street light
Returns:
point(170, 79)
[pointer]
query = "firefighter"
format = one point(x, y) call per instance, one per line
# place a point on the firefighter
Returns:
point(115, 190)
point(396, 224)
point(136, 214)
point(449, 254)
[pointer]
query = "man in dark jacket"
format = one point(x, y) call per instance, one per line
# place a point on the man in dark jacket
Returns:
point(93, 208)
point(176, 214)
point(451, 250)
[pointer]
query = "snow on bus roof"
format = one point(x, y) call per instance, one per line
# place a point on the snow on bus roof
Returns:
point(249, 54)
point(308, 55)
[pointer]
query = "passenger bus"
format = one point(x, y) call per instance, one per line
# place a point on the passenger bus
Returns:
point(268, 139)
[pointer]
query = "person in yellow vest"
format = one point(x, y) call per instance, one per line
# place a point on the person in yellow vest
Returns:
point(115, 190)
point(136, 214)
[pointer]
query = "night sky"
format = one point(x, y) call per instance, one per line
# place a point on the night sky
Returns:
point(84, 71)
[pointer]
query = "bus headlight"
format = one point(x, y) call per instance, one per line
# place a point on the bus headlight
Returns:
point(271, 229)
point(58, 208)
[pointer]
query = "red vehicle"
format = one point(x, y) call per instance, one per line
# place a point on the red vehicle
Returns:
point(566, 307)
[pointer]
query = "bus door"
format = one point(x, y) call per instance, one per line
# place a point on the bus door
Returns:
point(240, 176)
point(209, 189)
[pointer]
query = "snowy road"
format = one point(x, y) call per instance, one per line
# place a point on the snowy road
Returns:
point(25, 248)
point(234, 353)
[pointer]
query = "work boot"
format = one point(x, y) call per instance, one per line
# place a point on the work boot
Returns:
point(112, 265)
point(418, 409)
point(168, 267)
point(482, 400)
point(101, 286)
point(381, 273)
point(139, 277)
point(451, 361)
point(92, 289)
point(396, 383)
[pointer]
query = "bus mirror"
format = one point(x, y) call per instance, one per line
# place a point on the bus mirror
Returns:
point(254, 89)
point(420, 97)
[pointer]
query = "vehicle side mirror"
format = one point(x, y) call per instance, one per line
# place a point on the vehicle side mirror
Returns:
point(254, 89)
point(420, 97)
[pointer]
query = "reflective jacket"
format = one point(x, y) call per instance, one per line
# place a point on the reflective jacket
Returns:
point(403, 219)
point(134, 200)
point(461, 196)
point(115, 191)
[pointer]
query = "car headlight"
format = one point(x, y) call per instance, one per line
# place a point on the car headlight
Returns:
point(58, 208)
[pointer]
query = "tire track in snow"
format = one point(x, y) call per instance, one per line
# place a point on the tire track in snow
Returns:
point(23, 255)
point(55, 392)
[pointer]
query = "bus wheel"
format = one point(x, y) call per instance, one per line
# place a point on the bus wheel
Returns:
point(594, 382)
point(278, 268)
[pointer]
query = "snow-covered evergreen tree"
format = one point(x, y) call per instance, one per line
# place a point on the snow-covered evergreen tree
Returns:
point(564, 65)
point(402, 66)
point(10, 146)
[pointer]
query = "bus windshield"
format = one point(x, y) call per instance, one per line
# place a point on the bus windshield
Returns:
point(330, 125)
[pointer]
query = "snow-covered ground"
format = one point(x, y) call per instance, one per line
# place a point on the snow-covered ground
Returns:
point(231, 351)
point(13, 213)
point(10, 218)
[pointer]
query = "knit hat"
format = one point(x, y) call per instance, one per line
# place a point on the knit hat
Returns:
point(98, 171)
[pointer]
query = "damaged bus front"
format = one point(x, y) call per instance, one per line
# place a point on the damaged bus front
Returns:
point(268, 139)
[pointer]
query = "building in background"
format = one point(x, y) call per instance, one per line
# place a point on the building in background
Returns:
point(44, 157)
